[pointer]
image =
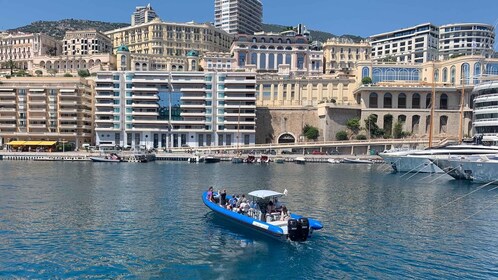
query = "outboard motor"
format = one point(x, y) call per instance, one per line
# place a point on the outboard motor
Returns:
point(305, 228)
point(294, 229)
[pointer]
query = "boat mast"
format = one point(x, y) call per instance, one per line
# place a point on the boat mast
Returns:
point(460, 127)
point(433, 99)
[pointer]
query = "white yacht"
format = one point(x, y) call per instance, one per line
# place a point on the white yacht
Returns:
point(419, 161)
point(479, 169)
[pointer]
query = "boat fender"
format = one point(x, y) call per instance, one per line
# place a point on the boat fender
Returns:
point(305, 228)
point(294, 229)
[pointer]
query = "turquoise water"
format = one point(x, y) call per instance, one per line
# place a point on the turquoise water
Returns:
point(89, 220)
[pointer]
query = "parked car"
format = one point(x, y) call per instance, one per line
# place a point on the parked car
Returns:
point(317, 152)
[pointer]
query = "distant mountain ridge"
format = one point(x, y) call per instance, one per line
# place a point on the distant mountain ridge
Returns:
point(58, 28)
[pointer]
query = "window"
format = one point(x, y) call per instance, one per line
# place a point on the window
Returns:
point(373, 100)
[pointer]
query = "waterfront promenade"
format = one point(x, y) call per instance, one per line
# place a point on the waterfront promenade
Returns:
point(173, 156)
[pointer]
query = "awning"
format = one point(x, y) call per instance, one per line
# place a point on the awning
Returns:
point(32, 143)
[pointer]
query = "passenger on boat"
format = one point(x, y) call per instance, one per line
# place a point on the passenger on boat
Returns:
point(242, 199)
point(270, 208)
point(244, 207)
point(278, 205)
point(233, 201)
point(223, 198)
point(285, 215)
point(217, 197)
point(210, 194)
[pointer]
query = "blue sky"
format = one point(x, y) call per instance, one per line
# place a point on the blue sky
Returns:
point(369, 16)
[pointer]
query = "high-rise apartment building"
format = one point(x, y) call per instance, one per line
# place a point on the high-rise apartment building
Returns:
point(466, 39)
point(160, 109)
point(238, 16)
point(415, 44)
point(48, 108)
point(143, 15)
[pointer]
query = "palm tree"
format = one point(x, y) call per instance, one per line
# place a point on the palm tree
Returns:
point(11, 65)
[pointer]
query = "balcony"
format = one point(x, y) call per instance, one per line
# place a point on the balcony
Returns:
point(245, 90)
point(134, 113)
point(145, 105)
point(193, 98)
point(194, 106)
point(145, 97)
point(193, 114)
point(68, 110)
point(68, 103)
point(37, 126)
point(7, 94)
point(7, 102)
point(145, 89)
point(68, 126)
point(37, 110)
point(4, 125)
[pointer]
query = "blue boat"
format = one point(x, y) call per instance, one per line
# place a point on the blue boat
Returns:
point(293, 228)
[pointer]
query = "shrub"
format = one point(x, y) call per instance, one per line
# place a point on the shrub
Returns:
point(366, 80)
point(68, 75)
point(361, 137)
point(310, 132)
point(341, 135)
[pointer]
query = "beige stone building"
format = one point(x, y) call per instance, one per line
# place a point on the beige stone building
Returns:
point(21, 48)
point(170, 39)
point(86, 42)
point(62, 64)
point(341, 55)
point(277, 91)
point(274, 53)
point(403, 92)
point(48, 108)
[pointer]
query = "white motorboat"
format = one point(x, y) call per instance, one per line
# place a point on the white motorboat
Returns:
point(419, 161)
point(357, 161)
point(300, 160)
point(334, 161)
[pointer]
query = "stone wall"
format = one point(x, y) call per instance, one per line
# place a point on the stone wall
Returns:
point(272, 123)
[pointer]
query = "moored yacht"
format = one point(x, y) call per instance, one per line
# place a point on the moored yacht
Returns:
point(419, 161)
point(479, 169)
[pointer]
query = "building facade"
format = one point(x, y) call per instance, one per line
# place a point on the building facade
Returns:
point(276, 91)
point(21, 48)
point(485, 119)
point(71, 64)
point(466, 39)
point(212, 61)
point(238, 16)
point(341, 55)
point(85, 42)
point(403, 93)
point(143, 15)
point(415, 44)
point(170, 39)
point(55, 109)
point(266, 53)
point(175, 109)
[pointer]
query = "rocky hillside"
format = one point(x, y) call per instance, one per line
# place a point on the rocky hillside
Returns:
point(316, 35)
point(58, 28)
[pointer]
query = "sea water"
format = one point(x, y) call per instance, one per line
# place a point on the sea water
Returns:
point(126, 221)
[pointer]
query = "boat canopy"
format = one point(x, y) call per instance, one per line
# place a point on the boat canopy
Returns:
point(265, 194)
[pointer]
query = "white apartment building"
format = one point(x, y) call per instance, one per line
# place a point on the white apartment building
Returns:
point(143, 14)
point(238, 16)
point(175, 109)
point(46, 109)
point(21, 48)
point(84, 42)
point(466, 39)
point(276, 54)
point(169, 39)
point(415, 44)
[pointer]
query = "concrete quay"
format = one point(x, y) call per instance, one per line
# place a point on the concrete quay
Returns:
point(163, 156)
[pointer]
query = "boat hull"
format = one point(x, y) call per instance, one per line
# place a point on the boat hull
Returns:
point(411, 164)
point(98, 159)
point(475, 171)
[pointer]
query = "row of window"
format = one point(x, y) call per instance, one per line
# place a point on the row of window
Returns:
point(373, 101)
